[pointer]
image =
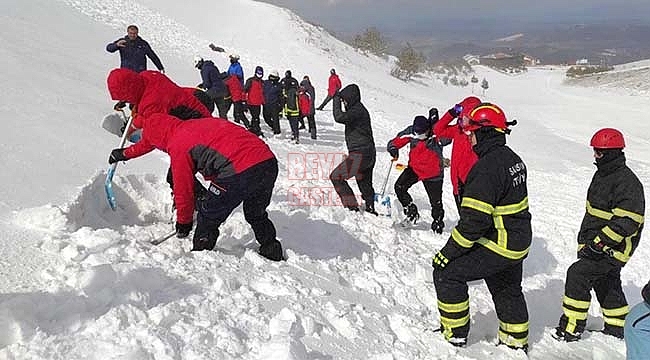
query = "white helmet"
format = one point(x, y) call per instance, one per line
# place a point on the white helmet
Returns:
point(274, 73)
point(234, 56)
point(198, 61)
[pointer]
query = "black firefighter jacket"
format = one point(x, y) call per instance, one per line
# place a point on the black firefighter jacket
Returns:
point(358, 131)
point(615, 209)
point(494, 209)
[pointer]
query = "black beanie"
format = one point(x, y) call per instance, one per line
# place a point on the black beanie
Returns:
point(646, 293)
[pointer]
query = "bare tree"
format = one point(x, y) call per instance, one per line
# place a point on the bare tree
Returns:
point(409, 63)
point(484, 85)
point(371, 41)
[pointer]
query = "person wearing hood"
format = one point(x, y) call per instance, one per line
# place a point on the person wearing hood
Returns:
point(425, 164)
point(254, 89)
point(311, 120)
point(637, 328)
point(212, 83)
point(272, 101)
point(492, 237)
point(151, 92)
point(360, 161)
point(609, 234)
point(240, 167)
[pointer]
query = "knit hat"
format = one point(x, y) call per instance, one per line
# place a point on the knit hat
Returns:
point(646, 293)
point(259, 71)
point(421, 125)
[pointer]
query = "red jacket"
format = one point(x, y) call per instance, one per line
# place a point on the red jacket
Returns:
point(304, 103)
point(463, 156)
point(214, 147)
point(153, 92)
point(235, 88)
point(425, 155)
point(254, 88)
point(334, 84)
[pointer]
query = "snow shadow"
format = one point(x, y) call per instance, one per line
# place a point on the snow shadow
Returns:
point(539, 260)
point(22, 314)
point(317, 239)
point(141, 201)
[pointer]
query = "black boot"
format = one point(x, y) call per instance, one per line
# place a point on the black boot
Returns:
point(371, 209)
point(438, 225)
point(411, 212)
point(272, 251)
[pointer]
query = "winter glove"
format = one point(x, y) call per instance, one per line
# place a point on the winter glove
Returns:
point(456, 110)
point(592, 251)
point(440, 261)
point(117, 155)
point(394, 153)
point(119, 106)
point(183, 230)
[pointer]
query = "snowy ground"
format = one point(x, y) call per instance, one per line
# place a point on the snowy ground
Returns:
point(78, 281)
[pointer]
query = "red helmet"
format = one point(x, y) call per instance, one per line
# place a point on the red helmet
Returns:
point(469, 103)
point(607, 138)
point(485, 115)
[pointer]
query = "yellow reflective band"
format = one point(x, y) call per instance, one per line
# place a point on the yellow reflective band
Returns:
point(512, 209)
point(477, 205)
point(622, 257)
point(491, 107)
point(598, 213)
point(509, 340)
point(623, 310)
point(612, 234)
point(460, 239)
point(579, 304)
point(624, 213)
point(513, 328)
point(572, 314)
point(502, 234)
point(510, 254)
point(454, 323)
point(453, 308)
point(614, 321)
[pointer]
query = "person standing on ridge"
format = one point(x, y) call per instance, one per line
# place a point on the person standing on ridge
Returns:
point(213, 84)
point(134, 51)
point(333, 86)
point(254, 89)
point(235, 68)
point(311, 120)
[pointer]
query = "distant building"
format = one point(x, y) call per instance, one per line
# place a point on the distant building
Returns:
point(583, 61)
point(531, 61)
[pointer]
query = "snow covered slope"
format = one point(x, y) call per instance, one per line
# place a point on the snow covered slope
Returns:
point(81, 282)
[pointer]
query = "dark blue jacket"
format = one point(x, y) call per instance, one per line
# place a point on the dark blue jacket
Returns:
point(212, 80)
point(132, 56)
point(272, 93)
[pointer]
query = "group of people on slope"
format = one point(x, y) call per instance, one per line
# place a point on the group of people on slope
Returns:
point(490, 241)
point(269, 98)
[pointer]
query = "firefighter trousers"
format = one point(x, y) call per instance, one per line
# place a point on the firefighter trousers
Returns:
point(503, 278)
